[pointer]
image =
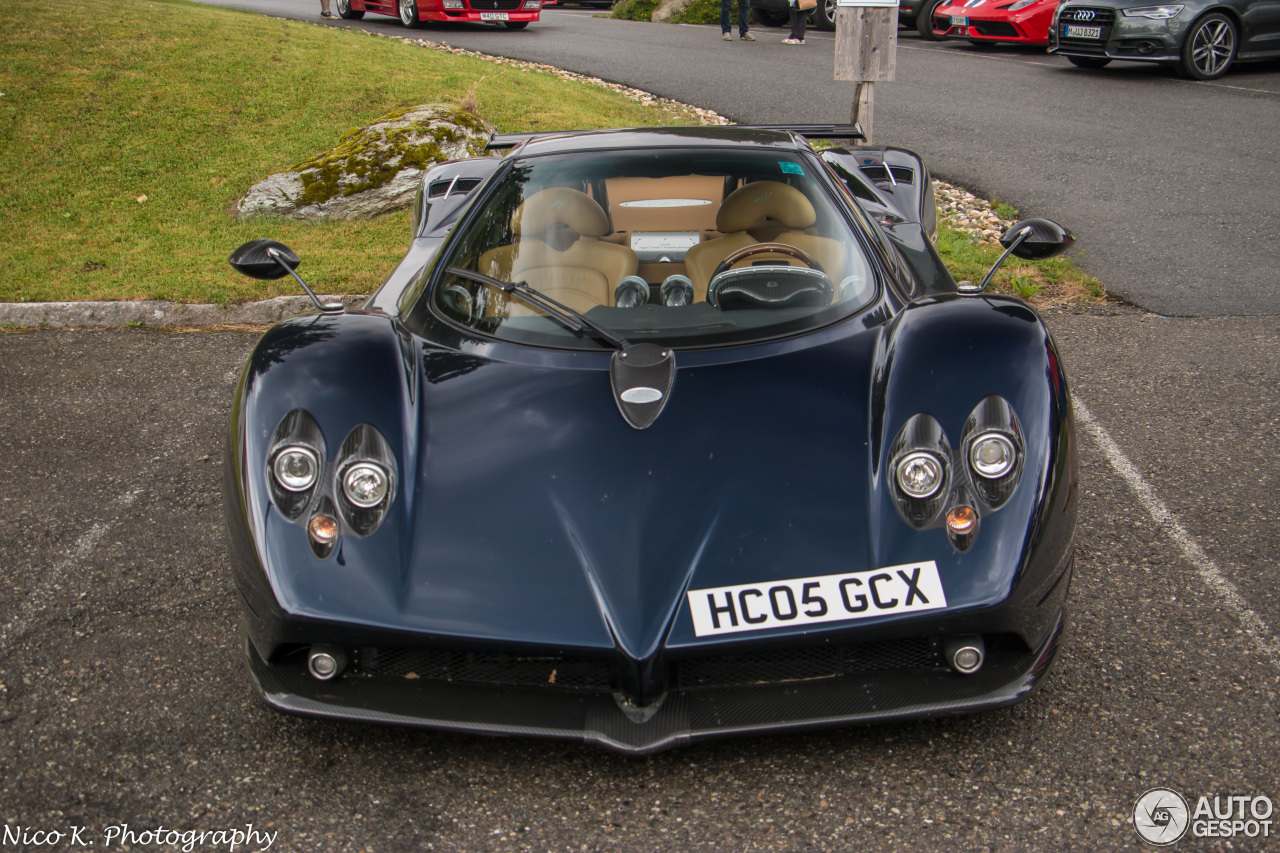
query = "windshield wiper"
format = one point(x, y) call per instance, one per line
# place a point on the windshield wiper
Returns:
point(563, 314)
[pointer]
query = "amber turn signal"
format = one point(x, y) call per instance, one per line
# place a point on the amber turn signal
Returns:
point(323, 528)
point(962, 520)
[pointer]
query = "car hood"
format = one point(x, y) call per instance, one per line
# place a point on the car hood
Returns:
point(541, 513)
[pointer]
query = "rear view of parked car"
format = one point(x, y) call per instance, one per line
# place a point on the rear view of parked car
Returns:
point(1202, 38)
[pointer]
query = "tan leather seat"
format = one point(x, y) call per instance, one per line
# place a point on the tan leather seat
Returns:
point(582, 274)
point(774, 212)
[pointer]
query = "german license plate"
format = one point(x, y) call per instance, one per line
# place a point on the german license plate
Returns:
point(959, 21)
point(826, 598)
point(494, 16)
point(1074, 32)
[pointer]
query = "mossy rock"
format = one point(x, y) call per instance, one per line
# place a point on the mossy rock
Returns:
point(374, 169)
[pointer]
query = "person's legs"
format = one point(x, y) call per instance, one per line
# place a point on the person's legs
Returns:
point(744, 12)
point(798, 20)
point(726, 25)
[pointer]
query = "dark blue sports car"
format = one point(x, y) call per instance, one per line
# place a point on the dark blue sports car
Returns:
point(656, 435)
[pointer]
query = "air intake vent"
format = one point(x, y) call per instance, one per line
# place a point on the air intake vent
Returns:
point(880, 175)
point(451, 187)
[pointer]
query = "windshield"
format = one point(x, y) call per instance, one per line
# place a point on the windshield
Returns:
point(679, 247)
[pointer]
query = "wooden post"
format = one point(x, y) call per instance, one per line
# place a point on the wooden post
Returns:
point(864, 104)
point(866, 52)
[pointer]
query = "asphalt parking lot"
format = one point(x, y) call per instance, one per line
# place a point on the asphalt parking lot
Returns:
point(123, 698)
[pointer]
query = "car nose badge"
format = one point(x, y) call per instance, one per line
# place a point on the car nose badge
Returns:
point(642, 376)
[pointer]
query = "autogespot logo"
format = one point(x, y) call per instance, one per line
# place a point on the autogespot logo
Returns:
point(1161, 817)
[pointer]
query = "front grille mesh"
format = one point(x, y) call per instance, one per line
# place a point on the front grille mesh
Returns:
point(995, 29)
point(1085, 16)
point(495, 5)
point(803, 664)
point(482, 668)
point(581, 674)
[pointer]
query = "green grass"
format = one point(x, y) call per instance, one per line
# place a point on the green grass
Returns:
point(187, 106)
point(1004, 211)
point(1054, 281)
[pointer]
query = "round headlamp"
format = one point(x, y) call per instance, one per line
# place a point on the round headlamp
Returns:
point(365, 484)
point(919, 474)
point(992, 455)
point(296, 468)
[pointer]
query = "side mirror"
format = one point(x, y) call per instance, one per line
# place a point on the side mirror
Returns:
point(1031, 240)
point(1045, 239)
point(269, 260)
point(252, 260)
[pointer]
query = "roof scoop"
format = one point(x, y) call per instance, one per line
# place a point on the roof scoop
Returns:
point(642, 376)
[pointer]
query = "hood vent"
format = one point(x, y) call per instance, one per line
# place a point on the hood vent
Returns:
point(642, 376)
point(881, 174)
point(451, 187)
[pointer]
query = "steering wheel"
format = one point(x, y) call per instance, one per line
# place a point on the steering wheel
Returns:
point(770, 248)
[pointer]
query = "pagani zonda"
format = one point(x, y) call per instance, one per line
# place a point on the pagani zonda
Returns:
point(656, 435)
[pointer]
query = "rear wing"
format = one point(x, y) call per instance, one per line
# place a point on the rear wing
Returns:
point(500, 141)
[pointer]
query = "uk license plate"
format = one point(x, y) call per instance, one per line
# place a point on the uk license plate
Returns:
point(494, 16)
point(807, 601)
point(959, 21)
point(1074, 32)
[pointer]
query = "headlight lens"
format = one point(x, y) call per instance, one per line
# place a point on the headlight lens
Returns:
point(1021, 4)
point(365, 484)
point(296, 468)
point(1155, 12)
point(992, 455)
point(919, 474)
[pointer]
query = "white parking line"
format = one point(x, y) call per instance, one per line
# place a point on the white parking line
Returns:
point(1213, 577)
point(43, 593)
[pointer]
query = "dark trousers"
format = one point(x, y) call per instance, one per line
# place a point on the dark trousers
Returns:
point(799, 17)
point(726, 21)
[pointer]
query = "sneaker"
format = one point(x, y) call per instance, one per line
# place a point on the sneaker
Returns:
point(747, 37)
point(727, 37)
point(327, 15)
point(793, 41)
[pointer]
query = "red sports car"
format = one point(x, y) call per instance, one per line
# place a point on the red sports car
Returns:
point(515, 14)
point(991, 21)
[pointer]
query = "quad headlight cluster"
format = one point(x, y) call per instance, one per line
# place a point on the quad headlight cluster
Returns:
point(934, 485)
point(350, 494)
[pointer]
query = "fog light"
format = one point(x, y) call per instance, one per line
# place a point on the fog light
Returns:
point(965, 654)
point(323, 529)
point(962, 520)
point(533, 4)
point(919, 474)
point(453, 4)
point(326, 662)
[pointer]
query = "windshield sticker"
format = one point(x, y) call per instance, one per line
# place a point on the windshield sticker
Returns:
point(790, 168)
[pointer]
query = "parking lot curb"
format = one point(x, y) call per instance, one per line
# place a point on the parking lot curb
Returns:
point(154, 313)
